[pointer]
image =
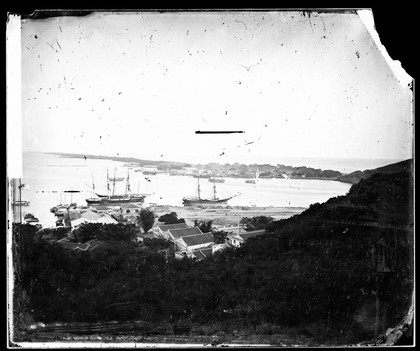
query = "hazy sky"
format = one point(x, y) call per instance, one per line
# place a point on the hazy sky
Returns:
point(141, 84)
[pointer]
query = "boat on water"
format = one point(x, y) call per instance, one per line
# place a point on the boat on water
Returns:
point(30, 218)
point(21, 203)
point(216, 180)
point(253, 181)
point(116, 199)
point(116, 179)
point(198, 200)
point(201, 176)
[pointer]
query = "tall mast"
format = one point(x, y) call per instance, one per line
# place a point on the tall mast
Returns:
point(198, 186)
point(127, 186)
point(107, 182)
point(214, 189)
point(93, 184)
point(113, 182)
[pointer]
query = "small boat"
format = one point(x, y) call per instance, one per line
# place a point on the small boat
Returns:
point(30, 218)
point(253, 181)
point(116, 179)
point(216, 180)
point(149, 172)
point(21, 203)
point(202, 176)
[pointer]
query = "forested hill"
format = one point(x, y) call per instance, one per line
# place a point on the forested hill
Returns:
point(351, 251)
point(341, 272)
point(356, 176)
point(380, 200)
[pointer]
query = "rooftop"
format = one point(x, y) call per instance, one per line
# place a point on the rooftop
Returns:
point(246, 235)
point(131, 205)
point(183, 232)
point(165, 227)
point(198, 239)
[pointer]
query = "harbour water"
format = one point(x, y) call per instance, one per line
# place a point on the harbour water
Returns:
point(46, 177)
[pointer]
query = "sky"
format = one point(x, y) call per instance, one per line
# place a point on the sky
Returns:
point(140, 85)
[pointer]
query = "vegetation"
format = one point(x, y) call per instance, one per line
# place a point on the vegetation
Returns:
point(255, 223)
point(171, 218)
point(219, 236)
point(104, 232)
point(356, 176)
point(145, 219)
point(320, 273)
point(205, 226)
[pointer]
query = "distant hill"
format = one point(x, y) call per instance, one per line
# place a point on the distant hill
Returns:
point(138, 161)
point(356, 176)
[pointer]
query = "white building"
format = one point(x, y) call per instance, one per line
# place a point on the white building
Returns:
point(237, 240)
point(187, 244)
point(130, 209)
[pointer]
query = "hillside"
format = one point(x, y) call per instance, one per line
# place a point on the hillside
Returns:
point(356, 176)
point(327, 275)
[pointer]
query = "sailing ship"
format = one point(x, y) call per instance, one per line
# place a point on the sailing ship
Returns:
point(116, 199)
point(198, 200)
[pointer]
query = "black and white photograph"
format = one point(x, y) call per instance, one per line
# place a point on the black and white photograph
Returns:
point(207, 178)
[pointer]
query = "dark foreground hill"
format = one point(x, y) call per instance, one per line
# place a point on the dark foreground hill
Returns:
point(341, 272)
point(356, 176)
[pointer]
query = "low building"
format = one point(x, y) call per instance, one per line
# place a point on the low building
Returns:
point(237, 240)
point(131, 208)
point(201, 254)
point(76, 223)
point(150, 168)
point(106, 219)
point(174, 234)
point(219, 247)
point(161, 231)
point(230, 230)
point(187, 244)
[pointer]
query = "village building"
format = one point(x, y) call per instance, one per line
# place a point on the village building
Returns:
point(237, 240)
point(185, 245)
point(201, 254)
point(150, 168)
point(130, 209)
point(219, 247)
point(161, 231)
point(174, 234)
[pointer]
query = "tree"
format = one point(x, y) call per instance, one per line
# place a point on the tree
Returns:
point(146, 218)
point(205, 226)
point(171, 218)
point(255, 223)
point(220, 237)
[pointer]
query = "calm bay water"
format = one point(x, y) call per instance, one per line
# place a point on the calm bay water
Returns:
point(47, 176)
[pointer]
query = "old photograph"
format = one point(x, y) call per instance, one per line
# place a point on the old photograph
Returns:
point(193, 178)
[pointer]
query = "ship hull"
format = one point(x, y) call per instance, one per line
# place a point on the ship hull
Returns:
point(111, 201)
point(192, 202)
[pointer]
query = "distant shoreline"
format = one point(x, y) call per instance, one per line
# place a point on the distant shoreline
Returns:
point(140, 162)
point(236, 170)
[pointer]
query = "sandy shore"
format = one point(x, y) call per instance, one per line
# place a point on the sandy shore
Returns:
point(226, 215)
